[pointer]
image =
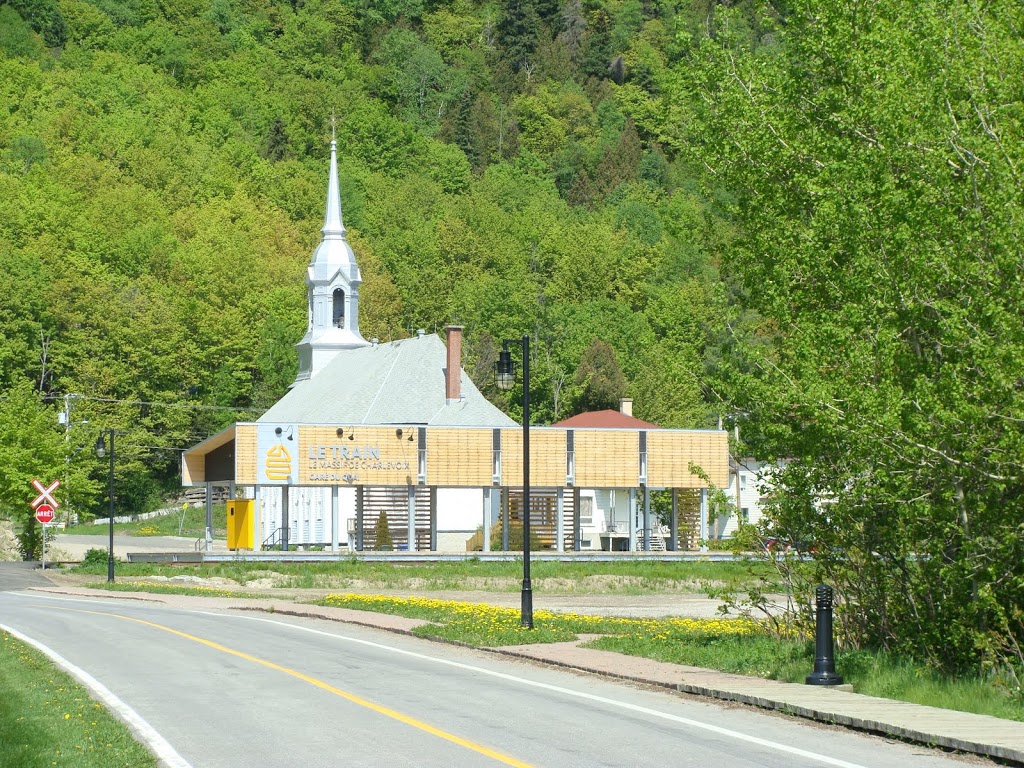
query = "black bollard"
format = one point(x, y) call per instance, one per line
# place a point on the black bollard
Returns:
point(824, 664)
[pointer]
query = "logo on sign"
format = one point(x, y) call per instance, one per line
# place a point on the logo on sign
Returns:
point(279, 463)
point(277, 452)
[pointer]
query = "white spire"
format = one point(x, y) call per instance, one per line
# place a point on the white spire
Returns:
point(333, 228)
point(333, 281)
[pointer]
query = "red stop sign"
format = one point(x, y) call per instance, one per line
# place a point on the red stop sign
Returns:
point(44, 513)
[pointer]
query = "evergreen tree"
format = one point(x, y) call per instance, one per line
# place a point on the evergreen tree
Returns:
point(382, 533)
point(600, 378)
point(518, 32)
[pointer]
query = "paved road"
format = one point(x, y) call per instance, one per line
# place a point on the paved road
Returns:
point(75, 545)
point(235, 689)
point(17, 574)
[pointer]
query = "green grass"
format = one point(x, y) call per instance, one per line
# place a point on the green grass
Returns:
point(172, 589)
point(47, 719)
point(193, 525)
point(727, 645)
point(625, 578)
point(486, 625)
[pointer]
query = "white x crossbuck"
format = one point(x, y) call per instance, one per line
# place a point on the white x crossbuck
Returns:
point(45, 493)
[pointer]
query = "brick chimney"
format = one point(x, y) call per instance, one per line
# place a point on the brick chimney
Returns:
point(453, 371)
point(626, 406)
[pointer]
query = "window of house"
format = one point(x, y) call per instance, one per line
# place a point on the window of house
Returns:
point(586, 511)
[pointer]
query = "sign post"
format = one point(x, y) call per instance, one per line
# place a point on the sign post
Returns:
point(44, 514)
point(45, 505)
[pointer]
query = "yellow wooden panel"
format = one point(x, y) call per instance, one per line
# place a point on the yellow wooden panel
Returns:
point(193, 461)
point(460, 457)
point(547, 457)
point(607, 458)
point(245, 454)
point(670, 452)
point(361, 456)
point(193, 469)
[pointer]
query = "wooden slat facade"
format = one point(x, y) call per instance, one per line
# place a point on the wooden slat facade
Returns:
point(394, 502)
point(463, 457)
point(460, 457)
point(547, 457)
point(688, 511)
point(245, 454)
point(669, 453)
point(543, 518)
point(607, 458)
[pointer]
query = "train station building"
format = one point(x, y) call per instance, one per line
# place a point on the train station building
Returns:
point(391, 445)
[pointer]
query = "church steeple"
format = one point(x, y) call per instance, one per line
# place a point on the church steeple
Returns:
point(333, 226)
point(333, 281)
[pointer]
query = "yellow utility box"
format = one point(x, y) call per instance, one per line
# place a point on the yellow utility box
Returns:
point(240, 523)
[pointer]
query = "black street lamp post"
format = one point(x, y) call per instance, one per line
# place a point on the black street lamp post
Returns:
point(506, 378)
point(100, 451)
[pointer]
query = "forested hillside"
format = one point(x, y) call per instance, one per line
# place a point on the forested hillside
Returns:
point(163, 173)
point(802, 217)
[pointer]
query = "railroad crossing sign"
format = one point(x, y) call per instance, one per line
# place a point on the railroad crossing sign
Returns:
point(44, 513)
point(45, 494)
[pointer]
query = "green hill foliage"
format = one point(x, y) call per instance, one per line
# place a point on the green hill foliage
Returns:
point(804, 218)
point(162, 175)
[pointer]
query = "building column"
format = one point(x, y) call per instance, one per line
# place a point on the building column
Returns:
point(335, 514)
point(505, 520)
point(577, 525)
point(359, 518)
point(632, 520)
point(488, 506)
point(285, 517)
point(559, 521)
point(647, 517)
point(703, 520)
point(673, 523)
point(209, 516)
point(410, 530)
point(433, 518)
point(257, 519)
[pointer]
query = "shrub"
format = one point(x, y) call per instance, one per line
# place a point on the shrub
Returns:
point(95, 557)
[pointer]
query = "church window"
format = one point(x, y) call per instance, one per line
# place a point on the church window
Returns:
point(338, 318)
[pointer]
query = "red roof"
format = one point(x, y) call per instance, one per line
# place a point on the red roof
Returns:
point(607, 419)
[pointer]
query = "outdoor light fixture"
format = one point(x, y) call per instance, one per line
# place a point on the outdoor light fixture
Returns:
point(505, 377)
point(101, 451)
point(340, 432)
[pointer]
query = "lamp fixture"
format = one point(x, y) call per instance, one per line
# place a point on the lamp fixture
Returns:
point(505, 370)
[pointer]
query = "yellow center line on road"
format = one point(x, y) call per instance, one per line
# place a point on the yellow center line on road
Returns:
point(387, 712)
